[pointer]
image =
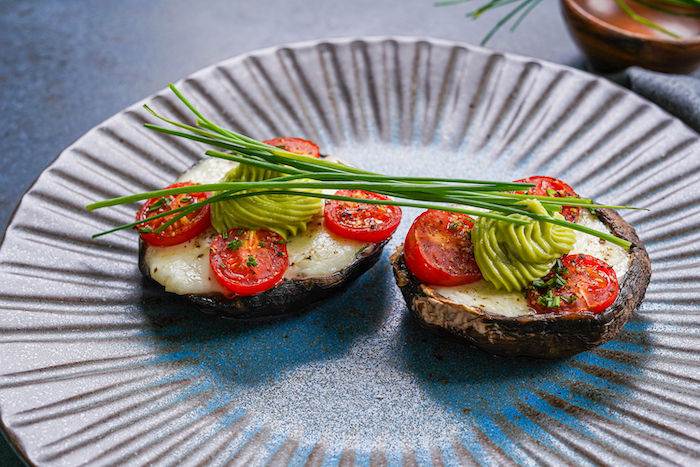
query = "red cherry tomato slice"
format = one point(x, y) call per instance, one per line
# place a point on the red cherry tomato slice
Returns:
point(361, 221)
point(295, 145)
point(248, 262)
point(438, 249)
point(548, 186)
point(589, 284)
point(184, 229)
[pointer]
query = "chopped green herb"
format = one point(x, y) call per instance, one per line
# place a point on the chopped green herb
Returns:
point(234, 244)
point(251, 263)
point(156, 205)
point(359, 252)
point(558, 281)
point(145, 230)
point(549, 301)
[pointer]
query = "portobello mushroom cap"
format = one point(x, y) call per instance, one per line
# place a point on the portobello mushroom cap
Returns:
point(539, 335)
point(291, 296)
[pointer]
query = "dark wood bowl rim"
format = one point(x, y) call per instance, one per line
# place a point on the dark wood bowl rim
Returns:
point(586, 16)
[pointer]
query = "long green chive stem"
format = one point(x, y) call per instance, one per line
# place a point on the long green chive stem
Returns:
point(505, 19)
point(489, 214)
point(644, 21)
point(303, 173)
point(273, 184)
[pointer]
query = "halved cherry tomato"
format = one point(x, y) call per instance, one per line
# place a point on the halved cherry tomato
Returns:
point(295, 145)
point(582, 283)
point(248, 262)
point(548, 186)
point(184, 229)
point(361, 221)
point(438, 249)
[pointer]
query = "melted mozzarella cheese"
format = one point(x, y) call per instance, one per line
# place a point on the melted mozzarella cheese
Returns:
point(185, 269)
point(210, 170)
point(616, 256)
point(485, 296)
point(318, 252)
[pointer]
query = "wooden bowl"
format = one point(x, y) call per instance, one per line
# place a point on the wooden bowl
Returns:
point(613, 47)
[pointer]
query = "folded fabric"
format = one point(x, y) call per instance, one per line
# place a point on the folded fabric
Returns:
point(677, 94)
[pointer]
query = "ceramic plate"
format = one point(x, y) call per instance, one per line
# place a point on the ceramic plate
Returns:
point(99, 367)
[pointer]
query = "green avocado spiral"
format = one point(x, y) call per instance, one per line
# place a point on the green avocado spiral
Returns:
point(285, 214)
point(511, 256)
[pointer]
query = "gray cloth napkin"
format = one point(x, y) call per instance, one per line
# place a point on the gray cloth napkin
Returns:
point(677, 94)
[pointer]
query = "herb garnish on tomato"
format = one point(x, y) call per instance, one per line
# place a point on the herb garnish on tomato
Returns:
point(438, 249)
point(361, 221)
point(248, 262)
point(180, 231)
point(577, 283)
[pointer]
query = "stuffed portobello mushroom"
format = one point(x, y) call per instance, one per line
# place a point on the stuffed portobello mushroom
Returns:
point(262, 256)
point(474, 281)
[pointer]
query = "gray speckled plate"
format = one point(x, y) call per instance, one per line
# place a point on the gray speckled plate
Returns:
point(98, 367)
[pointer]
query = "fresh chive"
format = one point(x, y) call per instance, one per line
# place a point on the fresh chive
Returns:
point(299, 173)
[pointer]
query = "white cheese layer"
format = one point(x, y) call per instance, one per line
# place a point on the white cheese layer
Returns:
point(184, 269)
point(318, 252)
point(486, 297)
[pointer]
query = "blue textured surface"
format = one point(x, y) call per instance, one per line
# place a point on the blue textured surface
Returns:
point(67, 66)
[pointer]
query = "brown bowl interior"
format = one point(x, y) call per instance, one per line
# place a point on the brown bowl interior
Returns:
point(608, 47)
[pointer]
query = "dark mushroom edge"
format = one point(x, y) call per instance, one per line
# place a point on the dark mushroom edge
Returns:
point(291, 296)
point(540, 335)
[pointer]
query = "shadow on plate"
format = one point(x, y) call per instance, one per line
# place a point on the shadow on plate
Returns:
point(257, 352)
point(469, 380)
